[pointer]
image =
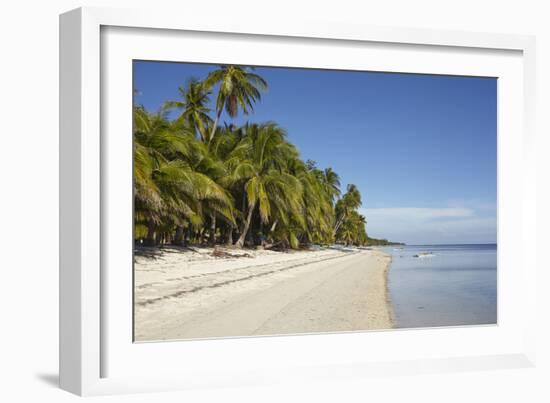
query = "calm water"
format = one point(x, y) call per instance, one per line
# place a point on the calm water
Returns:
point(455, 286)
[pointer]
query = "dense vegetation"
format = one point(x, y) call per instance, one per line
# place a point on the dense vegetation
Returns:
point(199, 181)
point(381, 242)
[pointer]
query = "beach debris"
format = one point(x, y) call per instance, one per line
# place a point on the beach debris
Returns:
point(217, 252)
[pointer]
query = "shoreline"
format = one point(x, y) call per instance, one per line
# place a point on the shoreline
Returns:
point(389, 303)
point(192, 294)
point(378, 289)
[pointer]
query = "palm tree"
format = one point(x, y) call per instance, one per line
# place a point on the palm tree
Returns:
point(210, 163)
point(348, 203)
point(332, 183)
point(239, 88)
point(220, 149)
point(193, 107)
point(168, 190)
point(258, 165)
point(353, 230)
point(318, 213)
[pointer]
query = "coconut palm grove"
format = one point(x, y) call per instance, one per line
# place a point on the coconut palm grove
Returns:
point(201, 181)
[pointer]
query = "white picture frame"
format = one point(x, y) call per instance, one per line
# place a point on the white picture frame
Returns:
point(96, 354)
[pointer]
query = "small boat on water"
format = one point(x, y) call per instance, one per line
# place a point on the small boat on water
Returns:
point(424, 255)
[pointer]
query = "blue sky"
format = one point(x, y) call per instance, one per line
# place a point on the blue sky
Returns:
point(421, 148)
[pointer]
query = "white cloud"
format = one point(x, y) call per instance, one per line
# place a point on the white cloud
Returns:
point(416, 213)
point(419, 225)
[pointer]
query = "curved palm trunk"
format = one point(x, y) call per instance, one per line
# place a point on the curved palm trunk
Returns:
point(215, 125)
point(200, 129)
point(246, 226)
point(158, 239)
point(339, 223)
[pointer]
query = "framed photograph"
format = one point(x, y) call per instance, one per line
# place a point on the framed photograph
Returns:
point(246, 204)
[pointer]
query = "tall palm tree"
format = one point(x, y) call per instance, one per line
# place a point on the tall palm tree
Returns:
point(167, 188)
point(239, 88)
point(288, 223)
point(258, 165)
point(193, 106)
point(318, 213)
point(220, 149)
point(210, 163)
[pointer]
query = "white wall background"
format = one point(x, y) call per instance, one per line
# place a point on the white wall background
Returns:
point(29, 201)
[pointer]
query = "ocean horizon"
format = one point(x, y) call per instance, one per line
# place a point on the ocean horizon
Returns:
point(449, 244)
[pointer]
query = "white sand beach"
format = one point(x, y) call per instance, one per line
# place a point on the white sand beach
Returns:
point(192, 294)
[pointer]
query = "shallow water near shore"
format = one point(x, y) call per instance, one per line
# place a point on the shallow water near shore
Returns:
point(456, 285)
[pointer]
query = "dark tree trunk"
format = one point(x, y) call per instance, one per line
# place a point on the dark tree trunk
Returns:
point(261, 233)
point(158, 238)
point(150, 239)
point(203, 237)
point(188, 236)
point(178, 238)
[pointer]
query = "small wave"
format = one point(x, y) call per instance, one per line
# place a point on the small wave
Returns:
point(424, 255)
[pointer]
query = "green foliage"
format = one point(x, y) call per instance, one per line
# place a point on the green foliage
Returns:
point(381, 242)
point(194, 180)
point(238, 88)
point(193, 108)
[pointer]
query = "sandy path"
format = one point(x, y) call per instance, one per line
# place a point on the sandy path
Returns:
point(311, 292)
